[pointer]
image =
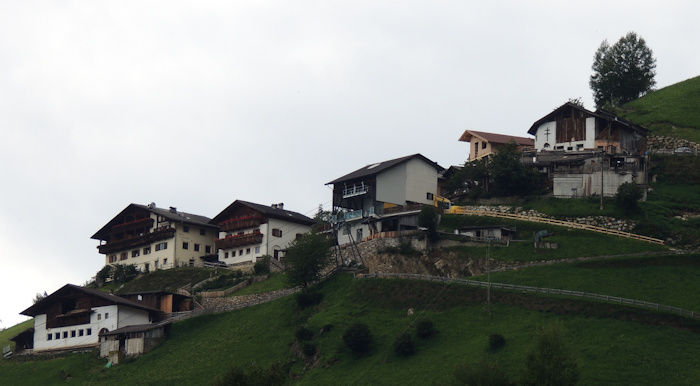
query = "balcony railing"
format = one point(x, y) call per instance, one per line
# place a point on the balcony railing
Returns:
point(158, 234)
point(355, 190)
point(239, 240)
point(142, 223)
point(241, 223)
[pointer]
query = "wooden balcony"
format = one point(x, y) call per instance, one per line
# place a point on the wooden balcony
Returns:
point(146, 223)
point(241, 223)
point(239, 240)
point(158, 234)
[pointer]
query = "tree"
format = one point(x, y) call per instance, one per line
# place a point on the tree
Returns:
point(510, 177)
point(306, 257)
point(550, 362)
point(627, 197)
point(39, 297)
point(358, 338)
point(428, 218)
point(125, 272)
point(470, 179)
point(103, 274)
point(622, 72)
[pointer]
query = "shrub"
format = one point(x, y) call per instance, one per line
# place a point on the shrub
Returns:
point(358, 338)
point(303, 334)
point(550, 362)
point(309, 349)
point(403, 345)
point(627, 197)
point(425, 329)
point(262, 265)
point(496, 342)
point(307, 299)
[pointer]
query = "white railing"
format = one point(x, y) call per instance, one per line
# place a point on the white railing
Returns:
point(355, 190)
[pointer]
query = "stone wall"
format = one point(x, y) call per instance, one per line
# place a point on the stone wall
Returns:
point(659, 142)
point(235, 301)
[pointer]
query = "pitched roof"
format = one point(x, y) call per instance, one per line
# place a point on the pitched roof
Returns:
point(171, 214)
point(600, 113)
point(376, 168)
point(496, 138)
point(266, 210)
point(41, 305)
point(136, 328)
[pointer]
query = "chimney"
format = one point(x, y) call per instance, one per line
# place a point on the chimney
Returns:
point(280, 205)
point(273, 206)
point(173, 209)
point(152, 205)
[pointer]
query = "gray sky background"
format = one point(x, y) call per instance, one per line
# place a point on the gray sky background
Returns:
point(195, 105)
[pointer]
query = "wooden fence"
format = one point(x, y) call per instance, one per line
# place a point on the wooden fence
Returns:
point(551, 291)
point(567, 224)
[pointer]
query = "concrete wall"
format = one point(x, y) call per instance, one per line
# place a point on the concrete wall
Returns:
point(391, 185)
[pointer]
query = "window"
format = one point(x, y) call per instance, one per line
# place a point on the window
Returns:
point(191, 262)
point(185, 245)
point(483, 145)
point(203, 232)
point(81, 332)
point(160, 246)
point(276, 232)
point(240, 253)
point(207, 249)
point(88, 331)
point(123, 256)
point(165, 262)
point(135, 253)
point(106, 315)
point(196, 247)
point(49, 336)
point(233, 253)
point(257, 249)
point(65, 334)
point(57, 335)
point(147, 250)
point(226, 255)
point(72, 333)
point(185, 228)
point(113, 258)
point(247, 251)
point(298, 236)
point(99, 316)
point(429, 196)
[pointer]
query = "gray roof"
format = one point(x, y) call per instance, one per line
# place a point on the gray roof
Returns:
point(59, 294)
point(171, 214)
point(267, 211)
point(376, 168)
point(600, 113)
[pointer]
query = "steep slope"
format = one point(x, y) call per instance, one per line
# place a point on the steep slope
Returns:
point(670, 111)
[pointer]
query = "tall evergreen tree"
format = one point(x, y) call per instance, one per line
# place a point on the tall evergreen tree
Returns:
point(622, 72)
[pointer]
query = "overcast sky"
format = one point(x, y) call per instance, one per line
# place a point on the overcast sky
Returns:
point(195, 105)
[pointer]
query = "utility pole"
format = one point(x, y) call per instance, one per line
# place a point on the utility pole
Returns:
point(602, 186)
point(488, 275)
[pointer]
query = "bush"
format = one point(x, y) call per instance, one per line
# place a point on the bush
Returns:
point(303, 334)
point(425, 329)
point(496, 342)
point(627, 197)
point(550, 362)
point(403, 345)
point(307, 299)
point(358, 338)
point(262, 265)
point(308, 349)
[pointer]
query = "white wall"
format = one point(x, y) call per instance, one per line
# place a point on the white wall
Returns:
point(391, 185)
point(422, 179)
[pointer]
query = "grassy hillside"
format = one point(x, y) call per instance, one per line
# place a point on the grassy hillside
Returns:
point(607, 348)
point(671, 111)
